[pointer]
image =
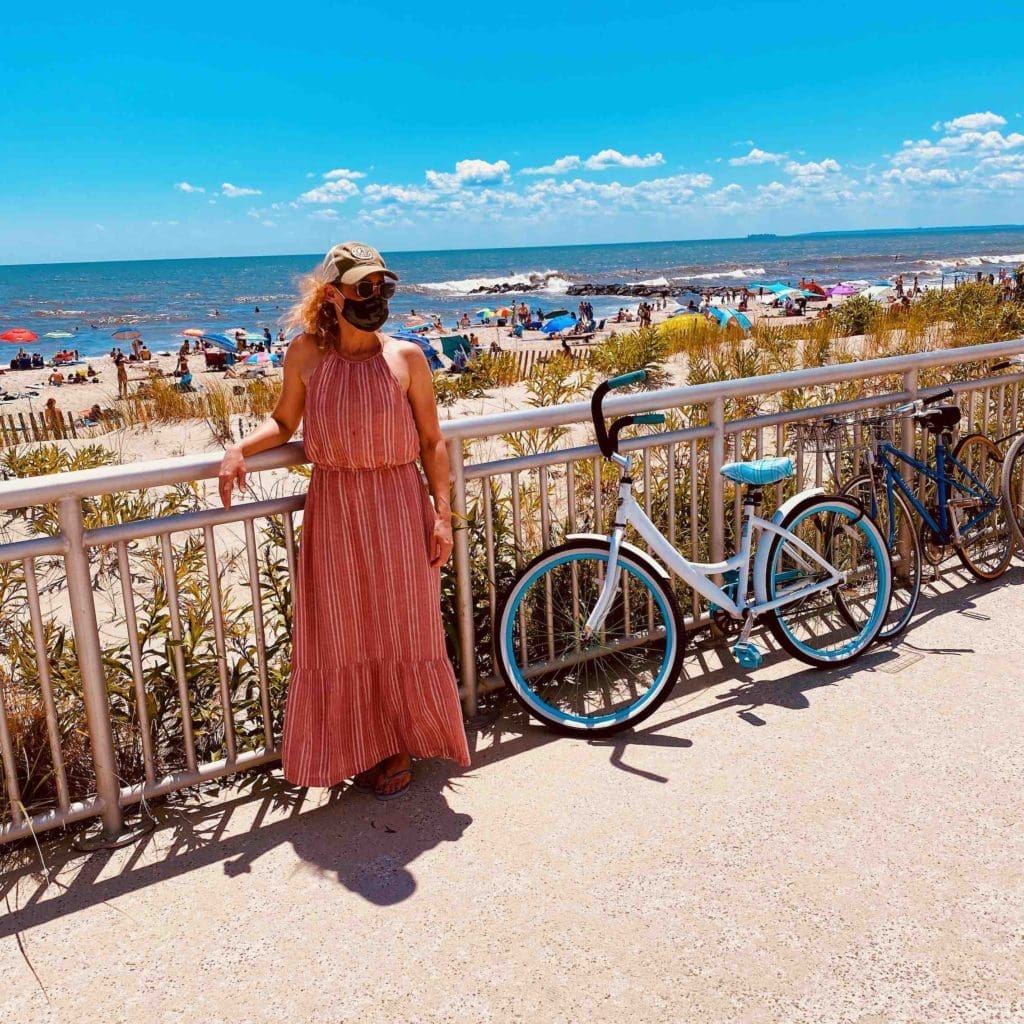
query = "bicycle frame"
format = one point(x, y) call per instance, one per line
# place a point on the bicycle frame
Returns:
point(696, 574)
point(944, 529)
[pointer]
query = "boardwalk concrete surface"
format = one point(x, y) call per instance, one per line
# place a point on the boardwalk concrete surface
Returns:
point(785, 846)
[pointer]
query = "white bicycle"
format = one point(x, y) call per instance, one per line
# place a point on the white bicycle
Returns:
point(590, 636)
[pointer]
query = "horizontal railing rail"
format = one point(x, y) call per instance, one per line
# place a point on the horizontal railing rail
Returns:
point(505, 507)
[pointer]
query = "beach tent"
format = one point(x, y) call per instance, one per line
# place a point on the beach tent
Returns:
point(727, 314)
point(815, 289)
point(433, 359)
point(877, 292)
point(451, 344)
point(559, 323)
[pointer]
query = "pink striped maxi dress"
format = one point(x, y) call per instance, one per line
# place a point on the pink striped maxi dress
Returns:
point(370, 674)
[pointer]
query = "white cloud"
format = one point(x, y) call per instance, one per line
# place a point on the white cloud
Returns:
point(812, 169)
point(562, 165)
point(613, 158)
point(470, 172)
point(269, 223)
point(327, 214)
point(336, 191)
point(1007, 179)
point(918, 176)
point(235, 191)
point(757, 156)
point(184, 186)
point(400, 194)
point(343, 172)
point(972, 122)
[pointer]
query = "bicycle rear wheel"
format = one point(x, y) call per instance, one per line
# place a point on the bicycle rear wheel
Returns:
point(596, 686)
point(896, 523)
point(1013, 487)
point(976, 498)
point(833, 625)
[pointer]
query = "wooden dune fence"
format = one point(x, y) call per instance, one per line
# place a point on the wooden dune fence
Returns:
point(527, 359)
point(23, 427)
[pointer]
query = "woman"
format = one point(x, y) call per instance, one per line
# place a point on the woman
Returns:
point(371, 683)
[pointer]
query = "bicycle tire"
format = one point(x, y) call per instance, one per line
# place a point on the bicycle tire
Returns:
point(982, 457)
point(783, 621)
point(531, 624)
point(1013, 487)
point(906, 585)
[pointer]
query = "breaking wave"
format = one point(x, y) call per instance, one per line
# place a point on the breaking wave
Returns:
point(550, 281)
point(737, 274)
point(993, 259)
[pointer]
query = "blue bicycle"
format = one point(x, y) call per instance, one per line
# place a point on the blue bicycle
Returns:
point(959, 505)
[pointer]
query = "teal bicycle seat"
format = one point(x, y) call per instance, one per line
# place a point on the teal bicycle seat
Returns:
point(759, 471)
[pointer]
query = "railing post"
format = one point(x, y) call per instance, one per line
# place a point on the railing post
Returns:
point(90, 664)
point(907, 440)
point(463, 579)
point(716, 487)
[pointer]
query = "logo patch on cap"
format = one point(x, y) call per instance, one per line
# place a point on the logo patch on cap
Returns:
point(362, 252)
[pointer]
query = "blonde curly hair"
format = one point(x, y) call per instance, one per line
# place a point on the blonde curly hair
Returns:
point(314, 313)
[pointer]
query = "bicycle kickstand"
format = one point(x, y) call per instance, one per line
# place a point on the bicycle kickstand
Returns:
point(745, 651)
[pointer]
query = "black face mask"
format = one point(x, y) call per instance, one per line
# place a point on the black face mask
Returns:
point(366, 314)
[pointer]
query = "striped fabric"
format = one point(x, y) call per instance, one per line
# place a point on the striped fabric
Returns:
point(370, 674)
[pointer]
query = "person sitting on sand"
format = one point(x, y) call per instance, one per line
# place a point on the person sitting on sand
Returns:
point(56, 378)
point(90, 372)
point(92, 416)
point(144, 353)
point(495, 348)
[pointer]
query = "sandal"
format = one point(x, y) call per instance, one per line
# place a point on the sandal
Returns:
point(366, 781)
point(387, 777)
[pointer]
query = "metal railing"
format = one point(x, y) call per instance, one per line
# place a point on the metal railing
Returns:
point(571, 493)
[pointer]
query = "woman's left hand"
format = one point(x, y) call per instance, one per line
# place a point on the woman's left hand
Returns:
point(441, 542)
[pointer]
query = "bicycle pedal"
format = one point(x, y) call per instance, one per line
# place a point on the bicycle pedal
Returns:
point(747, 654)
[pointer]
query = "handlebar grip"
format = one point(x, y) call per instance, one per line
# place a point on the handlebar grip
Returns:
point(653, 418)
point(940, 397)
point(625, 379)
point(1002, 364)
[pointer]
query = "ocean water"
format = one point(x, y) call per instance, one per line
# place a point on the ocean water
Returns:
point(161, 298)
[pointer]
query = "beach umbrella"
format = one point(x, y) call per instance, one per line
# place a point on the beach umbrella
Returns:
point(416, 321)
point(559, 323)
point(814, 288)
point(877, 291)
point(503, 311)
point(556, 312)
point(192, 332)
point(485, 314)
point(58, 334)
point(264, 357)
point(842, 289)
point(433, 359)
point(220, 341)
point(125, 334)
point(19, 335)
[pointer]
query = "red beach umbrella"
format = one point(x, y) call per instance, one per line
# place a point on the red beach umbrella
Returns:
point(19, 335)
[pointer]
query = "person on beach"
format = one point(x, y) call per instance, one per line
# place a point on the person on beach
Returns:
point(371, 684)
point(122, 377)
point(53, 417)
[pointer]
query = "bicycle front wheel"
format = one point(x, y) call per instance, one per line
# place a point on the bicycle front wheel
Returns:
point(976, 500)
point(895, 519)
point(834, 624)
point(598, 685)
point(1013, 487)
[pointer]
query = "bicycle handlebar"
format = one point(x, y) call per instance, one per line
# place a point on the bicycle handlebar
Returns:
point(608, 437)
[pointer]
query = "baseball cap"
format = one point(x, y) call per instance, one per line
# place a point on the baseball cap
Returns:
point(350, 262)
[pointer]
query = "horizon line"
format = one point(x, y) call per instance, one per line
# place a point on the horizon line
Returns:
point(753, 236)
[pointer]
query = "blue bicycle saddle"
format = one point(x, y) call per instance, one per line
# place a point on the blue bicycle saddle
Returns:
point(759, 471)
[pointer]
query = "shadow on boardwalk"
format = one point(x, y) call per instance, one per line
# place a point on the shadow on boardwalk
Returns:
point(369, 847)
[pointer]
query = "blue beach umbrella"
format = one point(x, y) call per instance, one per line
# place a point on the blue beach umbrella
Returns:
point(221, 342)
point(559, 323)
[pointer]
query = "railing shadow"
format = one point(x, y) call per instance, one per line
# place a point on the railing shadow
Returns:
point(369, 847)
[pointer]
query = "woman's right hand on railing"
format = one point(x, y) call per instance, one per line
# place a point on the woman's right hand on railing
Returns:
point(232, 471)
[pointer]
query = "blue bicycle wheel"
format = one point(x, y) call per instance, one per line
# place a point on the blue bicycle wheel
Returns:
point(836, 623)
point(582, 685)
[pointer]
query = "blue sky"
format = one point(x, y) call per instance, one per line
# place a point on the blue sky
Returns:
point(223, 129)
